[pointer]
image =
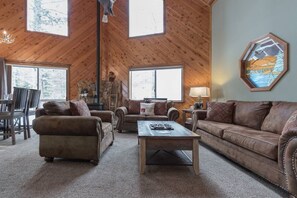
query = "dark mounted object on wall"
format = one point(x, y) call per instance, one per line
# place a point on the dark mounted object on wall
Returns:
point(107, 9)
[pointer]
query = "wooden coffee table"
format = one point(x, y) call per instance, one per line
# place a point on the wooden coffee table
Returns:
point(180, 138)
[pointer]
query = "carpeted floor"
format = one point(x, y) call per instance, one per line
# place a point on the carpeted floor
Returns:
point(23, 173)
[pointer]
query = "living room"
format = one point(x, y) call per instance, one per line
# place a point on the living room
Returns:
point(96, 52)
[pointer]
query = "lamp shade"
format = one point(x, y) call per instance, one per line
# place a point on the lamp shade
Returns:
point(199, 92)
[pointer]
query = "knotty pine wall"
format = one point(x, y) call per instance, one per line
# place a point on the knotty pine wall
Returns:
point(186, 41)
point(78, 50)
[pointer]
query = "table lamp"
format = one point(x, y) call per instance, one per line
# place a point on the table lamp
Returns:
point(199, 92)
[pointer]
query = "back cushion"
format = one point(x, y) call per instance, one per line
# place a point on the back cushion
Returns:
point(279, 114)
point(79, 108)
point(57, 108)
point(250, 114)
point(134, 106)
point(160, 106)
point(220, 112)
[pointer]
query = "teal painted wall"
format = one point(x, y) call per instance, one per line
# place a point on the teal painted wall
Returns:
point(237, 22)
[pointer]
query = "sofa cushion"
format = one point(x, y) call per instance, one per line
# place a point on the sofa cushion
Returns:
point(157, 117)
point(220, 112)
point(279, 113)
point(106, 128)
point(160, 107)
point(134, 106)
point(250, 114)
point(133, 118)
point(79, 108)
point(57, 108)
point(261, 142)
point(214, 128)
point(169, 104)
point(147, 109)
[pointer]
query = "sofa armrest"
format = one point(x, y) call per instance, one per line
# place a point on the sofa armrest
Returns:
point(105, 116)
point(68, 125)
point(172, 114)
point(198, 115)
point(120, 112)
point(287, 156)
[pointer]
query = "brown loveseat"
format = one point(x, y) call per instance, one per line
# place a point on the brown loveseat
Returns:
point(74, 137)
point(256, 139)
point(129, 114)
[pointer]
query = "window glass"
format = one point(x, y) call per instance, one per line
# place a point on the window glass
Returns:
point(48, 16)
point(142, 84)
point(156, 83)
point(24, 77)
point(169, 83)
point(51, 81)
point(146, 17)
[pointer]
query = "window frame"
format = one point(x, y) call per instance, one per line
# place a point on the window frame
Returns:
point(159, 67)
point(66, 67)
point(47, 33)
point(148, 35)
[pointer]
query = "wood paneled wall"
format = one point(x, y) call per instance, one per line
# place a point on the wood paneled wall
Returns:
point(78, 50)
point(186, 41)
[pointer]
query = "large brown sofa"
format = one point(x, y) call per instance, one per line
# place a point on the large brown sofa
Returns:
point(256, 139)
point(129, 114)
point(74, 137)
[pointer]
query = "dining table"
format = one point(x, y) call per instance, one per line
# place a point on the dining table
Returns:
point(4, 104)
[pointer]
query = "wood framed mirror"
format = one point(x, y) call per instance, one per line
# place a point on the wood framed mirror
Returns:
point(264, 63)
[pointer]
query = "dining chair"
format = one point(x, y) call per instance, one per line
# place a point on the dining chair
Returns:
point(32, 105)
point(16, 111)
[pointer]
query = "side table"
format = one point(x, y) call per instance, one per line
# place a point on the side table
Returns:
point(187, 120)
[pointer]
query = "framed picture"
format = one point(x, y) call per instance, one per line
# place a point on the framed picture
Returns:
point(264, 63)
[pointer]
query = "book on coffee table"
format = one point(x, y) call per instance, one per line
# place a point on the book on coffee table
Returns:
point(160, 126)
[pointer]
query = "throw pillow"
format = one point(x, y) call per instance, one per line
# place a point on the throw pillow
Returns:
point(147, 109)
point(160, 107)
point(220, 112)
point(79, 108)
point(291, 123)
point(57, 108)
point(134, 106)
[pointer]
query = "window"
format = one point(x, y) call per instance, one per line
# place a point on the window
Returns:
point(51, 81)
point(146, 17)
point(48, 16)
point(159, 82)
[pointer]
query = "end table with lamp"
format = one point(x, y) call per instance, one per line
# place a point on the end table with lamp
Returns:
point(199, 92)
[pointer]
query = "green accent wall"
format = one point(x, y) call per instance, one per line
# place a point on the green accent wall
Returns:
point(237, 22)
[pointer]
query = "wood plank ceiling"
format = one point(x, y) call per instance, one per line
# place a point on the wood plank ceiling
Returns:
point(186, 41)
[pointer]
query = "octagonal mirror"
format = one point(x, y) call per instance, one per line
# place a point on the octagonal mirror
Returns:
point(264, 63)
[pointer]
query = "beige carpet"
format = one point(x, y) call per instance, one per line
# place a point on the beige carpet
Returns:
point(24, 174)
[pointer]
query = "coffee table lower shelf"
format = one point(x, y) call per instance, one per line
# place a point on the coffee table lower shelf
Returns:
point(147, 143)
